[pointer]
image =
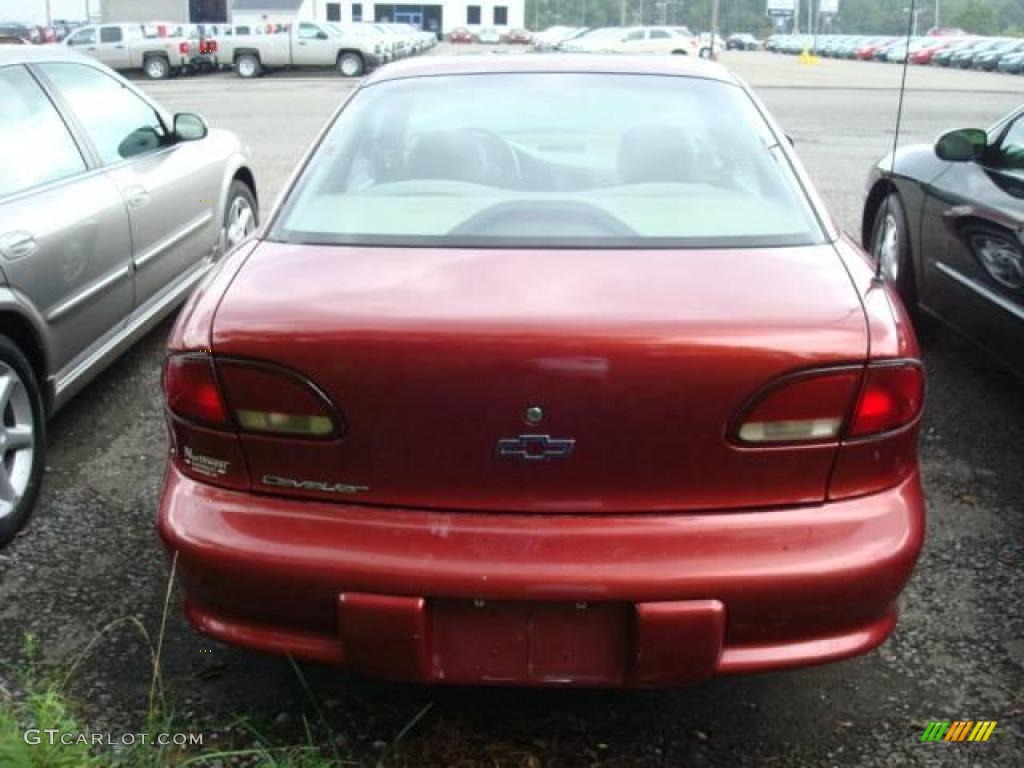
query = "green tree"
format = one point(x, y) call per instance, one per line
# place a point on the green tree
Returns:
point(978, 17)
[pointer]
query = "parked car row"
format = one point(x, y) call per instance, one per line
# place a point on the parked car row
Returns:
point(164, 49)
point(490, 35)
point(957, 50)
point(639, 40)
point(34, 34)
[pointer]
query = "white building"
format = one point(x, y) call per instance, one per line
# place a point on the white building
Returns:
point(441, 16)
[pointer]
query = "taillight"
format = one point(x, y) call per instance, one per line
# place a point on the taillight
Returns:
point(271, 400)
point(806, 408)
point(212, 404)
point(191, 391)
point(891, 398)
point(833, 404)
point(183, 48)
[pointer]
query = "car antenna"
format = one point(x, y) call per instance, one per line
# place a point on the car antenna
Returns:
point(899, 122)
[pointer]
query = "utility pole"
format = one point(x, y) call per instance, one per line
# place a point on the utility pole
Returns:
point(622, 13)
point(936, 13)
point(714, 28)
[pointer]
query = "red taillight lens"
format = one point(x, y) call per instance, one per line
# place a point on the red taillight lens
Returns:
point(815, 406)
point(270, 400)
point(213, 404)
point(183, 48)
point(191, 390)
point(891, 398)
point(807, 408)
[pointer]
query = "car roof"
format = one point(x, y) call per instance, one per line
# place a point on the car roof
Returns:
point(430, 66)
point(28, 54)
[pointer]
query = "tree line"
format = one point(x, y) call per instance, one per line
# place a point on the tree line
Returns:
point(882, 17)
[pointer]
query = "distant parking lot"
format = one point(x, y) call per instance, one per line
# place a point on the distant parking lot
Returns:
point(957, 653)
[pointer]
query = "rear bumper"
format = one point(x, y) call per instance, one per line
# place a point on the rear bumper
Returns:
point(521, 599)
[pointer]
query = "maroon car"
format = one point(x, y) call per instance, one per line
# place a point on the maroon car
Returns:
point(460, 35)
point(519, 36)
point(546, 371)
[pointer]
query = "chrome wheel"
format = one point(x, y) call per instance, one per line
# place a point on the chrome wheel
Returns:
point(887, 248)
point(248, 67)
point(156, 68)
point(239, 223)
point(351, 65)
point(17, 439)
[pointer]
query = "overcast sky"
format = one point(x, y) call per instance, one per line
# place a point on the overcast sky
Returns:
point(34, 11)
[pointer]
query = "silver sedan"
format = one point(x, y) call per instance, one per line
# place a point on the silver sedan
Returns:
point(111, 210)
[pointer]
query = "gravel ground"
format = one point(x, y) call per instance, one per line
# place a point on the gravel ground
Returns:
point(91, 556)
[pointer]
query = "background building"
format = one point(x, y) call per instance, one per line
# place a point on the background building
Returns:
point(442, 16)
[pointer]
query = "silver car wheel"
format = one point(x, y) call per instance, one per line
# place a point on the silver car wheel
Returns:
point(240, 222)
point(887, 248)
point(17, 439)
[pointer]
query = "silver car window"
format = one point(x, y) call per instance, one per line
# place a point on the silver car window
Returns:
point(120, 124)
point(35, 145)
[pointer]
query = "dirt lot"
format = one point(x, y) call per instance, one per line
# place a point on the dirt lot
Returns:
point(91, 556)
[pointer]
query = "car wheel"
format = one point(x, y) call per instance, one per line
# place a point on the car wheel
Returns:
point(247, 66)
point(890, 248)
point(22, 440)
point(157, 68)
point(350, 64)
point(240, 215)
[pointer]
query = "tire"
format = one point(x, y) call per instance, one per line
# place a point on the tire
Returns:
point(21, 466)
point(351, 64)
point(890, 245)
point(156, 67)
point(240, 198)
point(248, 66)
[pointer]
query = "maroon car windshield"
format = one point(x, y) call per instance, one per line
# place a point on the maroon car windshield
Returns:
point(549, 160)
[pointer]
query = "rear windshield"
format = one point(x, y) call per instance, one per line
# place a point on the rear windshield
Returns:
point(549, 160)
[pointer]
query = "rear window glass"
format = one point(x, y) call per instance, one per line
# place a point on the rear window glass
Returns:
point(557, 160)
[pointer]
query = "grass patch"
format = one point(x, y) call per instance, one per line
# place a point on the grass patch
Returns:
point(38, 701)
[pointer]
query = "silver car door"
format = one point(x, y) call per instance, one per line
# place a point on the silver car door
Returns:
point(171, 189)
point(112, 48)
point(65, 244)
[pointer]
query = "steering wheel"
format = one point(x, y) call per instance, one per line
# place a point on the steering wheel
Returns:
point(502, 160)
point(544, 218)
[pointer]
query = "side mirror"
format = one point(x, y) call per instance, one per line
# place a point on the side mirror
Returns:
point(321, 35)
point(189, 127)
point(962, 146)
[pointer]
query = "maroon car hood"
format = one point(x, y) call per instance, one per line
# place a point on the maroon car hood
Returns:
point(641, 358)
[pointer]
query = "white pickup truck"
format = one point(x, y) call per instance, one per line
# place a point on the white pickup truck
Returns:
point(158, 50)
point(305, 44)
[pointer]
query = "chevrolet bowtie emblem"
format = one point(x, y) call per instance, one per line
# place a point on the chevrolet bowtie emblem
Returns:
point(535, 447)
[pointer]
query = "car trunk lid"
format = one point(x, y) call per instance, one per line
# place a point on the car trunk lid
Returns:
point(636, 361)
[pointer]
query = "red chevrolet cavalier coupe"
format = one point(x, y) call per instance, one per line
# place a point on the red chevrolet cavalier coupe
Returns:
point(546, 371)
